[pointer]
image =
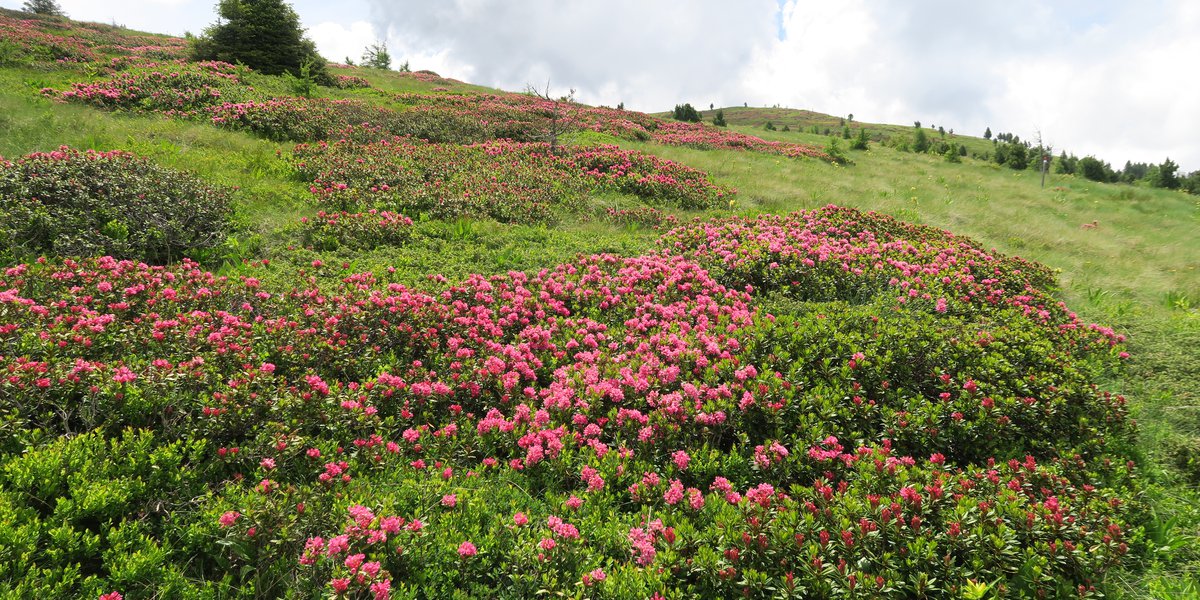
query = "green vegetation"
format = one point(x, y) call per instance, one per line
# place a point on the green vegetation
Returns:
point(484, 367)
point(264, 35)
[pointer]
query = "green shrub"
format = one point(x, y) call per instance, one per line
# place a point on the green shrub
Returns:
point(74, 203)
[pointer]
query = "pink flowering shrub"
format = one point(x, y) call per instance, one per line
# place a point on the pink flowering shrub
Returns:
point(358, 231)
point(506, 181)
point(350, 82)
point(751, 412)
point(698, 135)
point(90, 203)
point(174, 87)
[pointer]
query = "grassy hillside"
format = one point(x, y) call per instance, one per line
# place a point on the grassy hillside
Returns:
point(423, 354)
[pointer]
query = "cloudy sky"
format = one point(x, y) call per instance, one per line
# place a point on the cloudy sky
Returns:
point(1102, 77)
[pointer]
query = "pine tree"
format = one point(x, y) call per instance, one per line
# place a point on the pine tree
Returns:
point(264, 35)
point(860, 142)
point(43, 7)
point(376, 56)
point(719, 120)
point(987, 133)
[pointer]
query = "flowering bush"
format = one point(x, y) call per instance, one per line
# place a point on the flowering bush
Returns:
point(357, 231)
point(350, 82)
point(175, 88)
point(697, 135)
point(69, 202)
point(506, 181)
point(752, 412)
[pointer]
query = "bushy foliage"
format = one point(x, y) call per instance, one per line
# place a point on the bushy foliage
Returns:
point(719, 119)
point(264, 35)
point(860, 141)
point(355, 231)
point(1095, 169)
point(73, 203)
point(505, 181)
point(830, 403)
point(686, 113)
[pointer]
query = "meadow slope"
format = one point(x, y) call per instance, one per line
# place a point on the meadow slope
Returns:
point(381, 339)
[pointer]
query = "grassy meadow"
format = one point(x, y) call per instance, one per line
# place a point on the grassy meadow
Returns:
point(1126, 257)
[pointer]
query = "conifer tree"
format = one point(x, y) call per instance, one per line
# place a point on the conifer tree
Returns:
point(43, 7)
point(264, 35)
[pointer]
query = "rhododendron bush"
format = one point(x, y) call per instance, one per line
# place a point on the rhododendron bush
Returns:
point(829, 404)
point(504, 180)
point(90, 203)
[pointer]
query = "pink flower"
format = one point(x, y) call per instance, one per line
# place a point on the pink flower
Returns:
point(520, 519)
point(111, 596)
point(229, 518)
point(339, 584)
point(681, 459)
point(467, 550)
point(267, 463)
point(449, 500)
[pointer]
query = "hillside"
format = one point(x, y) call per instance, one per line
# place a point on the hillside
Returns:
point(405, 336)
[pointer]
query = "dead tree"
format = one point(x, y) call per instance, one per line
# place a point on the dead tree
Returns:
point(557, 122)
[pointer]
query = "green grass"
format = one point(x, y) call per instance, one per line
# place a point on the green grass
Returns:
point(1137, 270)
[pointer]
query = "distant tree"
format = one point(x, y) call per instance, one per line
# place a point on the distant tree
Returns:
point(917, 124)
point(920, 140)
point(942, 131)
point(1065, 164)
point(348, 61)
point(951, 154)
point(43, 7)
point(962, 150)
point(1191, 183)
point(860, 141)
point(846, 132)
point(264, 35)
point(850, 117)
point(987, 133)
point(376, 56)
point(620, 106)
point(404, 68)
point(719, 120)
point(686, 112)
point(1164, 175)
point(1094, 169)
point(786, 128)
point(1018, 157)
point(769, 126)
point(710, 106)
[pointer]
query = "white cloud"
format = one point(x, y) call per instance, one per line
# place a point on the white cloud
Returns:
point(649, 54)
point(1102, 77)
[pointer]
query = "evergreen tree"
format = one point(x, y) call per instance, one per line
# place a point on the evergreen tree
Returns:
point(769, 126)
point(1164, 175)
point(376, 56)
point(1018, 157)
point(264, 35)
point(920, 140)
point(987, 133)
point(1095, 170)
point(43, 7)
point(860, 141)
point(686, 112)
point(719, 120)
